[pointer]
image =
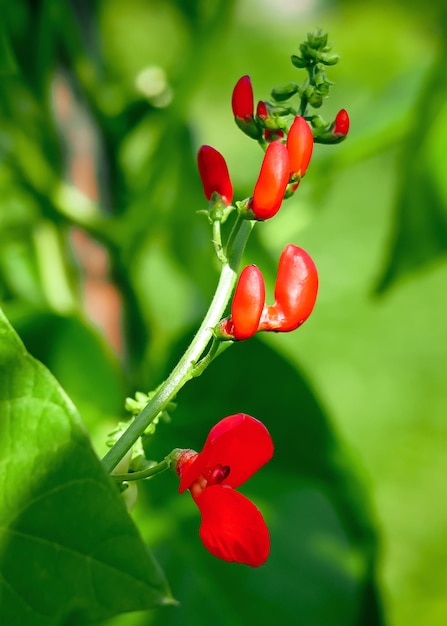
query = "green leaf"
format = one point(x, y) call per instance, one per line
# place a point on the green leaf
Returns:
point(79, 357)
point(7, 62)
point(420, 226)
point(67, 545)
point(420, 229)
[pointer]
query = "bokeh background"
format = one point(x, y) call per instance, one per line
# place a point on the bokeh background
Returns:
point(106, 269)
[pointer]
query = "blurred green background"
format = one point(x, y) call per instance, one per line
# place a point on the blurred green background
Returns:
point(116, 97)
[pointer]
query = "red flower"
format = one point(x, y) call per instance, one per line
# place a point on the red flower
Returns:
point(271, 185)
point(232, 528)
point(341, 123)
point(296, 291)
point(214, 174)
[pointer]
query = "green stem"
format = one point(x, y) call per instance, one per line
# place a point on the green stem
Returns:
point(217, 242)
point(147, 473)
point(217, 347)
point(184, 369)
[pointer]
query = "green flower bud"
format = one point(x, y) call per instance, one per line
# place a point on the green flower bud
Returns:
point(329, 59)
point(316, 100)
point(317, 40)
point(320, 78)
point(323, 89)
point(285, 92)
point(298, 61)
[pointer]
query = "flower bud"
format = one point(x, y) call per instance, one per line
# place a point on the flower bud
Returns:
point(242, 100)
point(285, 92)
point(242, 104)
point(332, 133)
point(246, 308)
point(341, 123)
point(214, 174)
point(298, 61)
point(300, 143)
point(272, 182)
point(248, 303)
point(262, 110)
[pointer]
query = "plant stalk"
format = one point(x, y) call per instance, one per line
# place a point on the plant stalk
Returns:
point(184, 370)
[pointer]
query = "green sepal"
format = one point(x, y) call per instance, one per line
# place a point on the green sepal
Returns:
point(218, 211)
point(329, 138)
point(244, 210)
point(316, 41)
point(250, 127)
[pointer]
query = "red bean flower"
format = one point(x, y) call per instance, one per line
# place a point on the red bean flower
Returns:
point(296, 289)
point(214, 174)
point(232, 528)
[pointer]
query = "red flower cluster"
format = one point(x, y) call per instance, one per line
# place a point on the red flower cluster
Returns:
point(282, 164)
point(285, 161)
point(232, 528)
point(296, 290)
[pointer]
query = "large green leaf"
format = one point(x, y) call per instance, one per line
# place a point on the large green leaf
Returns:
point(74, 350)
point(420, 229)
point(68, 547)
point(420, 223)
point(7, 61)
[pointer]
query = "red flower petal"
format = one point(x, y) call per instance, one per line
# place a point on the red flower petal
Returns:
point(300, 143)
point(296, 286)
point(240, 442)
point(248, 303)
point(232, 528)
point(296, 290)
point(271, 185)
